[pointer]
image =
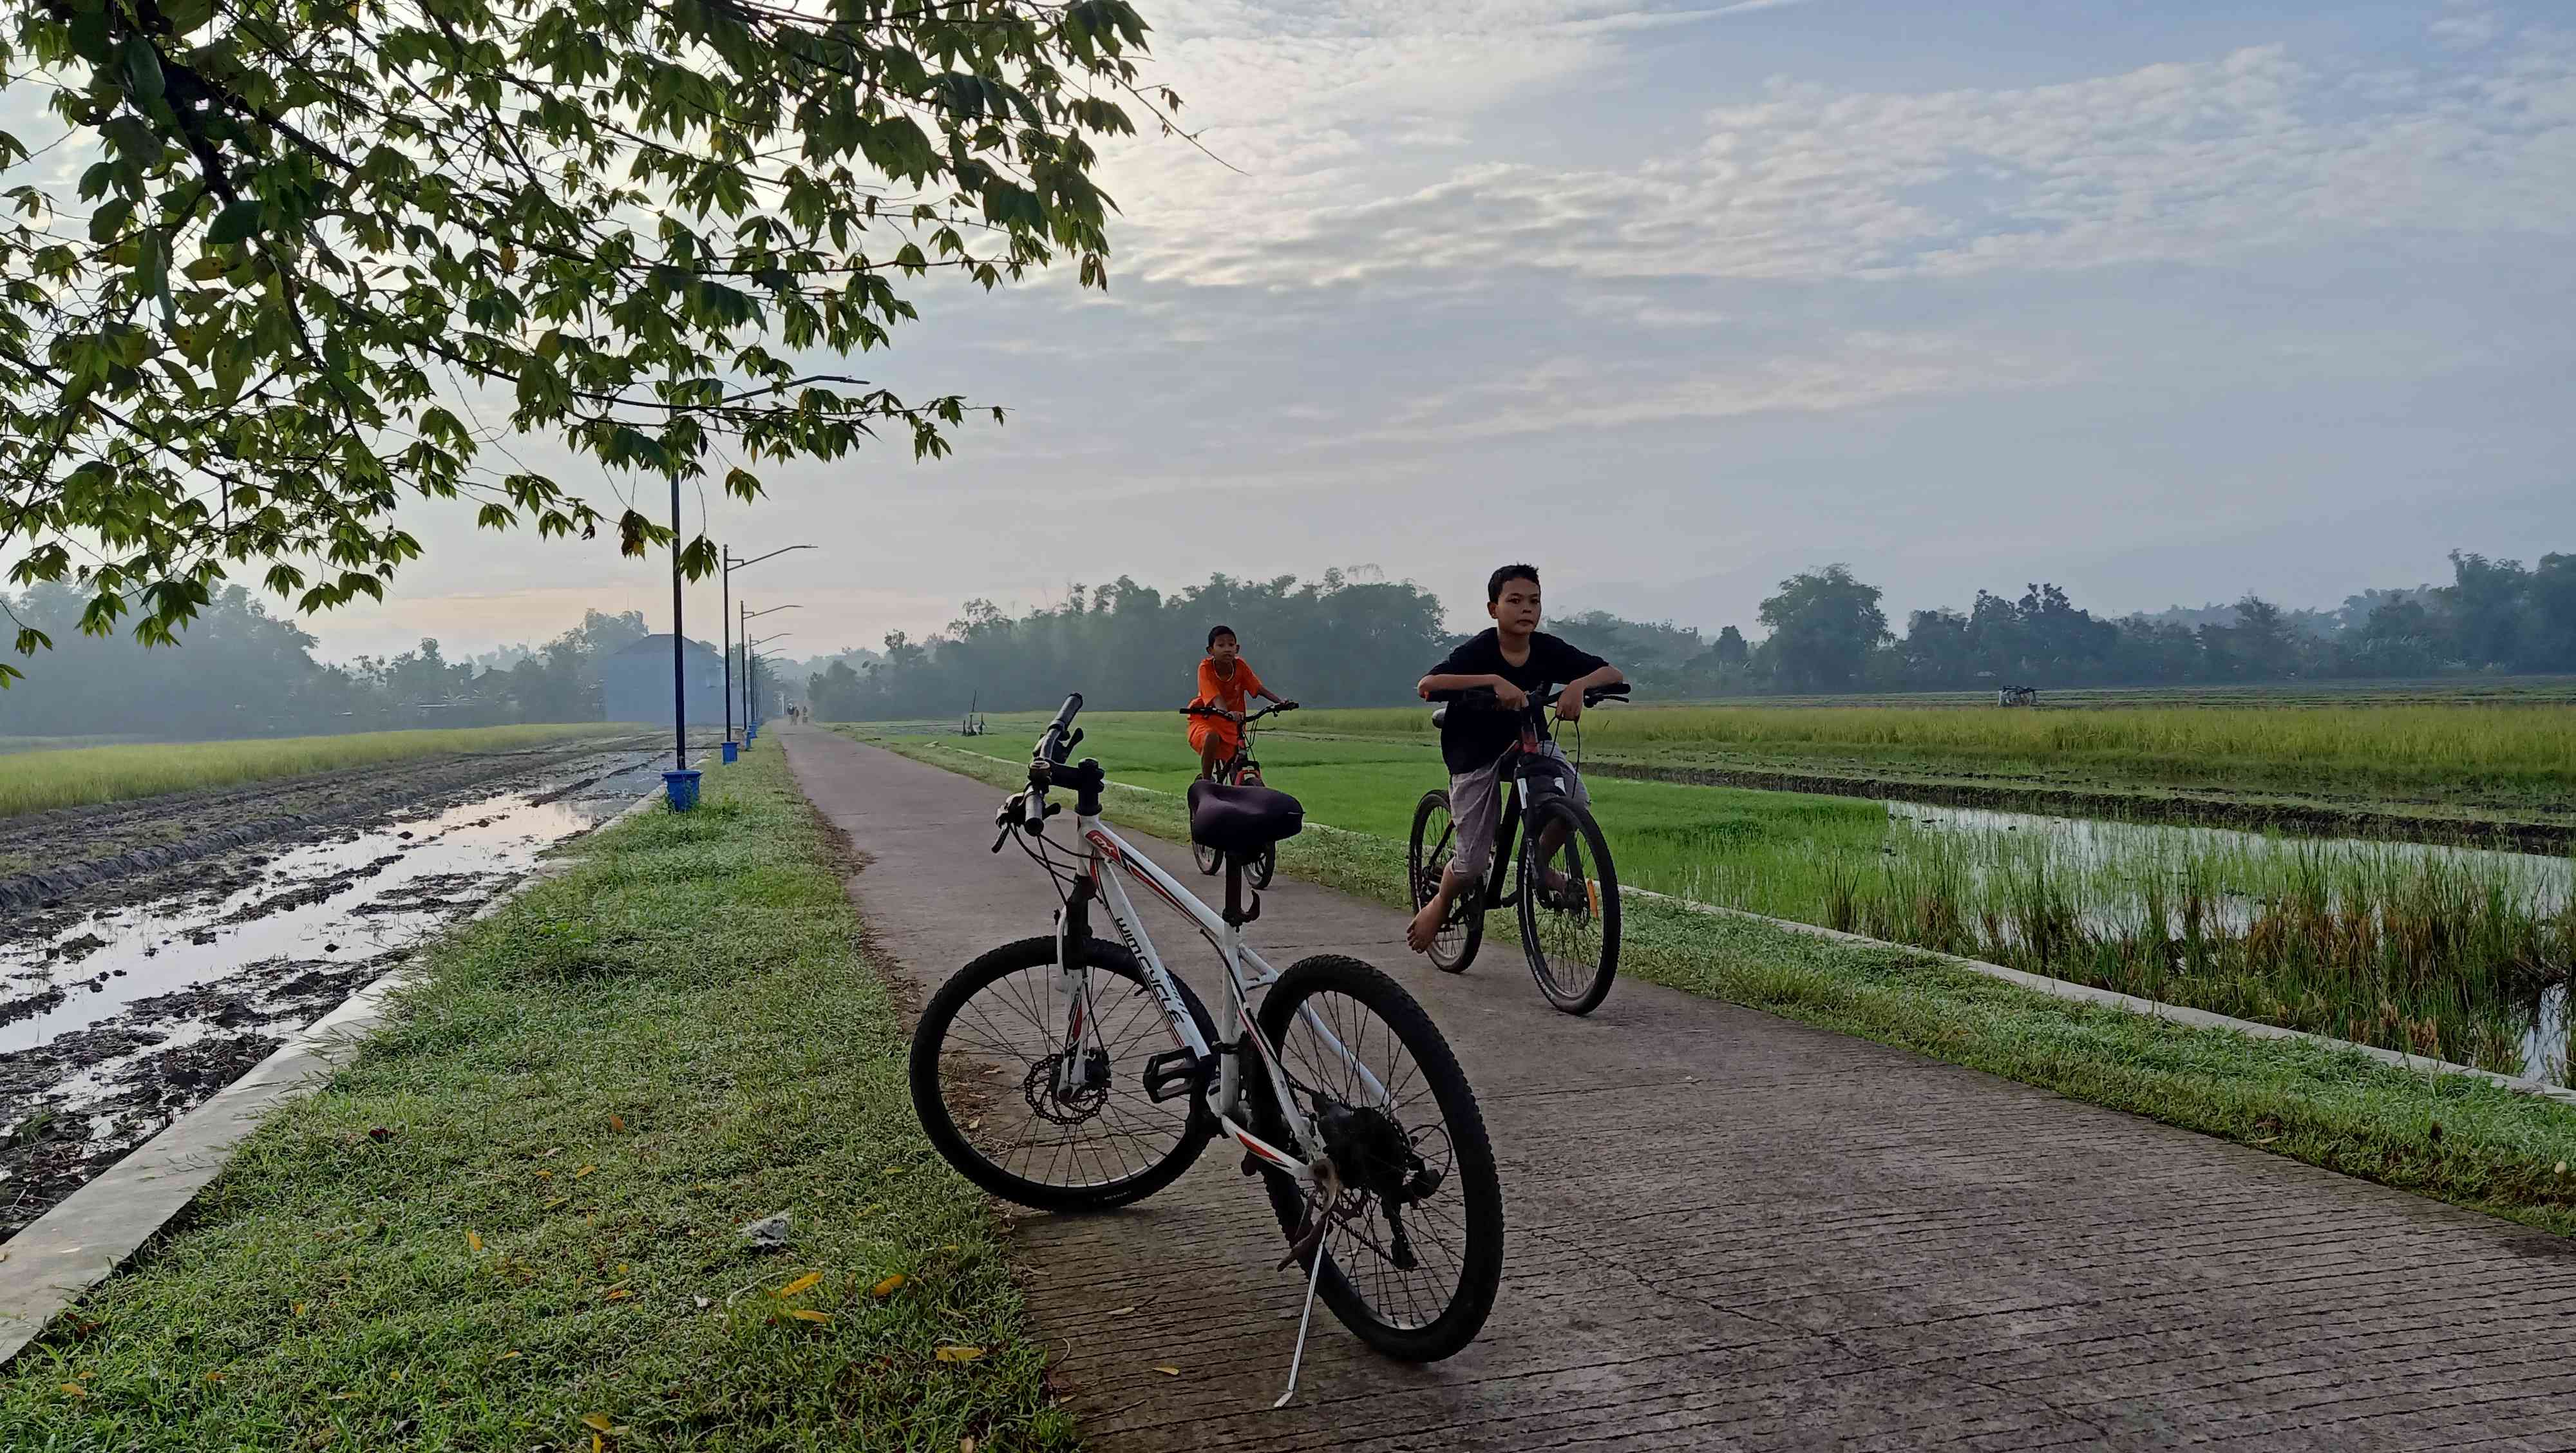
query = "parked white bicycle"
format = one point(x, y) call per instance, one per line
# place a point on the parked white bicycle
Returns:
point(1035, 1072)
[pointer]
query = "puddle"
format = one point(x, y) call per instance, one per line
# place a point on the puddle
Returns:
point(115, 1020)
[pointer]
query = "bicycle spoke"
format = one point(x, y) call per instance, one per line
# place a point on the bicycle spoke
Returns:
point(1000, 1058)
point(1359, 1235)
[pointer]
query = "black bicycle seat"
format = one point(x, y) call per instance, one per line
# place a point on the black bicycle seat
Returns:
point(1242, 819)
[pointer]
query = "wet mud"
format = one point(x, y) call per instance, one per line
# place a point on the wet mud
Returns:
point(131, 998)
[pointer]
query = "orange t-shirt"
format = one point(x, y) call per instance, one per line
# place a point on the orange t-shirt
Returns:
point(1229, 695)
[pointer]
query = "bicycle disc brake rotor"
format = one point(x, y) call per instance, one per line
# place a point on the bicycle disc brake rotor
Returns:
point(1067, 1107)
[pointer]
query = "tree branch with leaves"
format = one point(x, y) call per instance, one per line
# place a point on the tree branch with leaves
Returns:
point(318, 233)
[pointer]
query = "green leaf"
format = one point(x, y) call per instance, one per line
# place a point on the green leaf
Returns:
point(186, 17)
point(108, 222)
point(235, 223)
point(207, 269)
point(143, 70)
point(91, 40)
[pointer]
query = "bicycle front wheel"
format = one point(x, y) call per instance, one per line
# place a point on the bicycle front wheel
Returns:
point(1410, 1218)
point(1034, 1111)
point(1425, 864)
point(1569, 896)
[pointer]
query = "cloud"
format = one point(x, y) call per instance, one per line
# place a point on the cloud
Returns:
point(2175, 162)
point(1854, 370)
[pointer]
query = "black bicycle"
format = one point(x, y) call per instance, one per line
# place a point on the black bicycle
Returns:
point(1566, 889)
point(1239, 770)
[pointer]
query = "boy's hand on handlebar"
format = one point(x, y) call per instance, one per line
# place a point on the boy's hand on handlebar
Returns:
point(1509, 697)
point(1569, 704)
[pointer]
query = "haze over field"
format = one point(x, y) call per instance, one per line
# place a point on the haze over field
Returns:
point(2154, 302)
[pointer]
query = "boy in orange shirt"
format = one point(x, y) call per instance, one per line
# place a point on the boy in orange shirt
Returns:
point(1226, 682)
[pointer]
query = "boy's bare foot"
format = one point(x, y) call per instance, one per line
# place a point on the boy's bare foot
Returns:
point(1425, 927)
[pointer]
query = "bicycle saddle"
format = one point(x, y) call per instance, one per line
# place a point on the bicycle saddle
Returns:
point(1242, 819)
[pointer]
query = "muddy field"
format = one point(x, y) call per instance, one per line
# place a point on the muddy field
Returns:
point(166, 947)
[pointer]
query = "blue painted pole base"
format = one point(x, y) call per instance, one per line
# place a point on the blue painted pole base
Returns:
point(750, 734)
point(731, 751)
point(682, 789)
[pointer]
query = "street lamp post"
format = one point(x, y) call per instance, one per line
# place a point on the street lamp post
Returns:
point(730, 566)
point(751, 665)
point(679, 785)
point(748, 616)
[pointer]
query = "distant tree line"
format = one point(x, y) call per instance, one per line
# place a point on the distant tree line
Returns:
point(240, 672)
point(1342, 642)
point(1338, 641)
point(1828, 633)
point(1346, 639)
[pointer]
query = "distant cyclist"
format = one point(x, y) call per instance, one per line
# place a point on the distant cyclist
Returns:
point(1517, 662)
point(1226, 683)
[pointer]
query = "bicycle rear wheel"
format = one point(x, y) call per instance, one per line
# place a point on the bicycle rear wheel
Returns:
point(988, 1080)
point(1262, 869)
point(1413, 1230)
point(1425, 864)
point(1569, 905)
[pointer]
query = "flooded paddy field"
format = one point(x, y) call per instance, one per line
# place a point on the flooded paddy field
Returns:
point(155, 963)
point(2463, 954)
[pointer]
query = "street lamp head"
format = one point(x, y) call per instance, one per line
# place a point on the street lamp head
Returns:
point(733, 564)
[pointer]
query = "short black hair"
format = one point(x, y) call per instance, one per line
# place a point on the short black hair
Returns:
point(1216, 631)
point(1494, 583)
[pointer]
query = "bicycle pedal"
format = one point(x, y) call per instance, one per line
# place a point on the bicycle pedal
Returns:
point(1175, 1073)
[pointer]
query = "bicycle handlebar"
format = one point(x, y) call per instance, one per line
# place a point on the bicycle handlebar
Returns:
point(1273, 709)
point(1483, 696)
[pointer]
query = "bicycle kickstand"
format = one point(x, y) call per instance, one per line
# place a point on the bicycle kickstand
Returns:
point(1304, 1319)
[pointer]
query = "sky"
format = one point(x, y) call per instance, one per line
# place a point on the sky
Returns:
point(2161, 302)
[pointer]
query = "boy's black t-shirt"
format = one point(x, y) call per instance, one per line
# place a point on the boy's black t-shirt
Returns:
point(1473, 737)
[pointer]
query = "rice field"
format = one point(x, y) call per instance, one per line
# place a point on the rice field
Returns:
point(39, 781)
point(2441, 951)
point(2461, 762)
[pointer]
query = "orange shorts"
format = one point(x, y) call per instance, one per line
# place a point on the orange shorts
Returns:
point(1226, 734)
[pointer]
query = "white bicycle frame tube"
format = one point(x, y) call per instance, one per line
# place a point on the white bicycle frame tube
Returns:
point(1105, 850)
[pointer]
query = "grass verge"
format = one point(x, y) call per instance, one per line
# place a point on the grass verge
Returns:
point(517, 1209)
point(38, 781)
point(2449, 1137)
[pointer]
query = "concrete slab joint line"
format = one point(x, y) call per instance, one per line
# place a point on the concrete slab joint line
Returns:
point(2041, 983)
point(83, 1240)
point(1731, 1230)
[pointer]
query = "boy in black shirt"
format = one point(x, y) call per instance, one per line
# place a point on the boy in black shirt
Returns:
point(1518, 663)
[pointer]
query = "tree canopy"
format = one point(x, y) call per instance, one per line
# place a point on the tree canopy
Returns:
point(333, 255)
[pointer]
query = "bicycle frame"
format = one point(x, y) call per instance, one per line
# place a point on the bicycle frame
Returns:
point(1517, 792)
point(1106, 850)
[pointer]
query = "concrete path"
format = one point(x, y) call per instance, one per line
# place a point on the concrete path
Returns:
point(1730, 1231)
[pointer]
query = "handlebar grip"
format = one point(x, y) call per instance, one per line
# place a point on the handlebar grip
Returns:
point(1052, 746)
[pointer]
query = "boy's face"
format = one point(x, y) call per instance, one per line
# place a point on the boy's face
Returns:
point(1224, 647)
point(1515, 611)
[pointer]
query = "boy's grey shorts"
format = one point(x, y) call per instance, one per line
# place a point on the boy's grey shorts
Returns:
point(1476, 808)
